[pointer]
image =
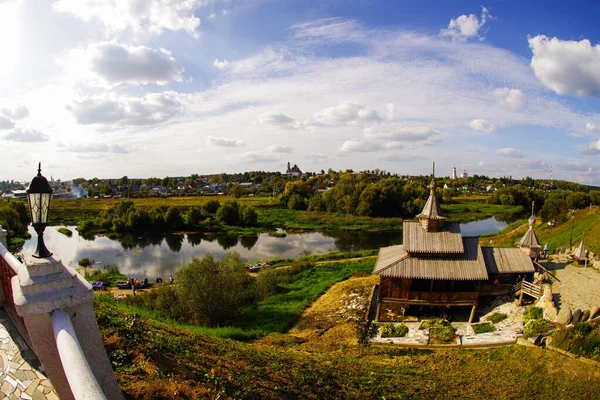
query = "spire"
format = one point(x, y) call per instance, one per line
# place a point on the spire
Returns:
point(431, 211)
point(532, 218)
point(580, 252)
point(530, 240)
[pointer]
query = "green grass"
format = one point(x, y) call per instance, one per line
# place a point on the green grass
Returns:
point(483, 328)
point(336, 255)
point(468, 210)
point(65, 231)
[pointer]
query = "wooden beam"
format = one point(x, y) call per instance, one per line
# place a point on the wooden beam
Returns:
point(472, 313)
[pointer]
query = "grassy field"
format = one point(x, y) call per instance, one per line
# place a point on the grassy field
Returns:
point(586, 221)
point(161, 361)
point(473, 208)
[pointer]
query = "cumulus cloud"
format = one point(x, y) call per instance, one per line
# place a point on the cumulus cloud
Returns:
point(509, 152)
point(20, 112)
point(577, 166)
point(566, 66)
point(347, 112)
point(467, 27)
point(512, 98)
point(221, 64)
point(225, 142)
point(116, 63)
point(360, 146)
point(94, 148)
point(279, 120)
point(26, 136)
point(482, 125)
point(140, 16)
point(590, 127)
point(255, 157)
point(153, 108)
point(397, 132)
point(316, 158)
point(6, 123)
point(279, 148)
point(592, 148)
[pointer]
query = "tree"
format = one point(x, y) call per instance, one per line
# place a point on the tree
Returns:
point(554, 209)
point(236, 191)
point(214, 291)
point(577, 200)
point(228, 213)
point(211, 206)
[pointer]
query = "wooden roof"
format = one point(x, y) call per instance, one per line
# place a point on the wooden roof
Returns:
point(580, 252)
point(417, 240)
point(432, 207)
point(530, 240)
point(395, 262)
point(506, 260)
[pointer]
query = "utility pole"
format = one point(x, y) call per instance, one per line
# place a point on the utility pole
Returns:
point(572, 220)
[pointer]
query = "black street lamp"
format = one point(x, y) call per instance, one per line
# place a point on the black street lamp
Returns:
point(38, 196)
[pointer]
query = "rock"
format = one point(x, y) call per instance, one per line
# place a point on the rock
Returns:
point(576, 316)
point(550, 313)
point(564, 316)
point(585, 315)
point(594, 312)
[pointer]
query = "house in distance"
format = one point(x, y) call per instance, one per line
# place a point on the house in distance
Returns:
point(436, 266)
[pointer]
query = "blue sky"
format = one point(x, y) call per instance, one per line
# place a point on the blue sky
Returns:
point(164, 87)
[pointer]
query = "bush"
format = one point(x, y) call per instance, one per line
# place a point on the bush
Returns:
point(433, 323)
point(85, 262)
point(533, 313)
point(483, 328)
point(497, 317)
point(393, 330)
point(443, 334)
point(535, 327)
point(65, 231)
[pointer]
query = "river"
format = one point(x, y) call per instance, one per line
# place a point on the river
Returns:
point(149, 257)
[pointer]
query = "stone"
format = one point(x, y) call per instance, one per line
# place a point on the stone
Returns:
point(585, 315)
point(576, 316)
point(594, 312)
point(550, 313)
point(564, 316)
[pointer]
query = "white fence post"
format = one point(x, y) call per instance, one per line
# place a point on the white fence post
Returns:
point(3, 237)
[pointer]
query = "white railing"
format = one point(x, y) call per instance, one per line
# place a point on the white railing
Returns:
point(82, 381)
point(10, 259)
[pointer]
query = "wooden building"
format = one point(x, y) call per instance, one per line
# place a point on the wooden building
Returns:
point(530, 244)
point(580, 255)
point(437, 266)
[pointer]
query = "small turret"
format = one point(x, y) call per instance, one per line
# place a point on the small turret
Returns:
point(431, 217)
point(530, 243)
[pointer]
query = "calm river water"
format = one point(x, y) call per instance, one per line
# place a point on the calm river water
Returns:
point(149, 257)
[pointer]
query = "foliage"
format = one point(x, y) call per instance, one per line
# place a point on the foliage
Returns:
point(583, 339)
point(483, 327)
point(497, 317)
point(535, 327)
point(443, 334)
point(433, 323)
point(533, 313)
point(15, 218)
point(65, 231)
point(85, 262)
point(109, 273)
point(393, 330)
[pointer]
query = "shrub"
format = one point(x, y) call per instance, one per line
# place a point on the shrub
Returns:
point(65, 231)
point(433, 323)
point(533, 313)
point(535, 327)
point(497, 317)
point(393, 330)
point(483, 328)
point(85, 262)
point(442, 334)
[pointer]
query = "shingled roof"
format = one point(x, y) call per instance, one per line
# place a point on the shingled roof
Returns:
point(395, 262)
point(506, 260)
point(417, 240)
point(530, 240)
point(432, 207)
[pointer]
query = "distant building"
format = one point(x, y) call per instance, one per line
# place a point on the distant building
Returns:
point(454, 173)
point(293, 171)
point(464, 174)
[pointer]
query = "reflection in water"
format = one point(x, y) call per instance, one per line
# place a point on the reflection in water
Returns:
point(152, 255)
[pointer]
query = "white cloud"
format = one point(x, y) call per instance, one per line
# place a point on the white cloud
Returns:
point(360, 146)
point(347, 112)
point(255, 157)
point(482, 125)
point(154, 108)
point(590, 127)
point(94, 148)
point(212, 16)
point(566, 66)
point(467, 27)
point(20, 112)
point(398, 132)
point(578, 166)
point(6, 123)
point(316, 158)
point(139, 15)
point(221, 64)
point(109, 63)
point(279, 148)
point(396, 157)
point(391, 109)
point(592, 148)
point(509, 152)
point(26, 136)
point(279, 120)
point(225, 142)
point(512, 98)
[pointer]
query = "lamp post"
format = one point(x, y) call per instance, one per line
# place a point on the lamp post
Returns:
point(38, 196)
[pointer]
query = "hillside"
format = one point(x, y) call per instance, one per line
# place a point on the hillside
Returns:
point(158, 360)
point(586, 221)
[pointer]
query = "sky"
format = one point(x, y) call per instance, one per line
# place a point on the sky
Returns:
point(143, 88)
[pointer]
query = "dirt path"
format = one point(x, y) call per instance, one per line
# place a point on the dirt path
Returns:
point(576, 287)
